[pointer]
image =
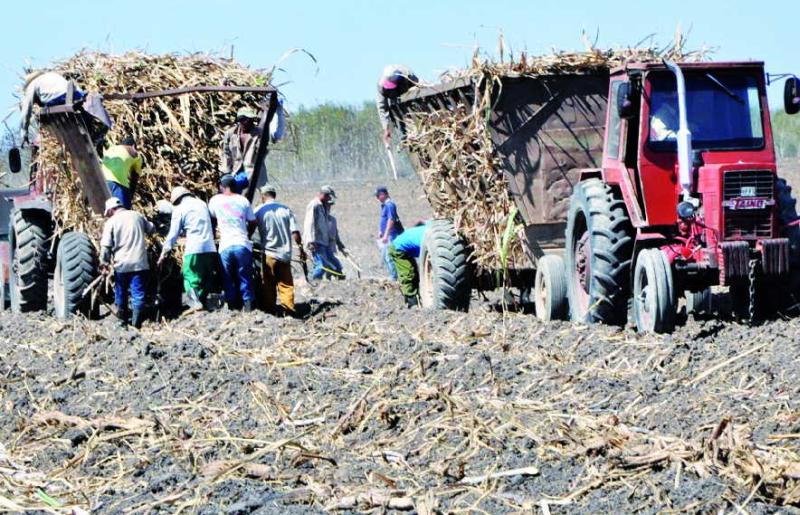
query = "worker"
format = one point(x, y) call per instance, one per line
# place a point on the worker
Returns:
point(404, 251)
point(395, 81)
point(240, 146)
point(388, 228)
point(335, 243)
point(124, 238)
point(317, 233)
point(49, 89)
point(235, 220)
point(122, 166)
point(277, 228)
point(190, 216)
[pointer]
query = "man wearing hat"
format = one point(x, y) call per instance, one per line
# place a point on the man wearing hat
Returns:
point(277, 227)
point(388, 228)
point(240, 146)
point(235, 221)
point(317, 233)
point(191, 217)
point(395, 81)
point(124, 238)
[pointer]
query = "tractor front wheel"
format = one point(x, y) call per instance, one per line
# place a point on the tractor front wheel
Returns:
point(654, 302)
point(76, 268)
point(599, 250)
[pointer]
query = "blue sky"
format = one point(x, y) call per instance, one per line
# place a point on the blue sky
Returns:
point(354, 39)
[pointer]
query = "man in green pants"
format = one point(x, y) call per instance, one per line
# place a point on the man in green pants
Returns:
point(190, 215)
point(404, 251)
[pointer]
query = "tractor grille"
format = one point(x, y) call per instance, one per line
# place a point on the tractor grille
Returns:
point(748, 223)
point(748, 184)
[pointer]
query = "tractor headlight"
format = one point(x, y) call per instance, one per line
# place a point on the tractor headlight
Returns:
point(686, 210)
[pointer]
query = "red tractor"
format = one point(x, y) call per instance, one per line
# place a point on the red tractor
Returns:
point(687, 197)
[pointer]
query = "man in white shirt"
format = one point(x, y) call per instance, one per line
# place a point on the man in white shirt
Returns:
point(124, 239)
point(235, 221)
point(191, 216)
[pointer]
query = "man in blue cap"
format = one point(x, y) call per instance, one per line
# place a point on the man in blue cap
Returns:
point(388, 229)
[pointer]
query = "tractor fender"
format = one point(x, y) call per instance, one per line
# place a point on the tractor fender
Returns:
point(31, 202)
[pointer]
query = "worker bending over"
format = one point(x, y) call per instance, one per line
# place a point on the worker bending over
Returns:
point(124, 238)
point(404, 251)
point(235, 221)
point(277, 227)
point(395, 81)
point(121, 169)
point(50, 89)
point(190, 216)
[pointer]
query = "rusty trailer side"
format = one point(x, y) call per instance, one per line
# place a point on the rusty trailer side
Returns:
point(544, 130)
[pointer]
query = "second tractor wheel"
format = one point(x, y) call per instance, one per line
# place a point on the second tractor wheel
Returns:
point(654, 302)
point(444, 271)
point(29, 232)
point(699, 304)
point(550, 289)
point(76, 268)
point(599, 251)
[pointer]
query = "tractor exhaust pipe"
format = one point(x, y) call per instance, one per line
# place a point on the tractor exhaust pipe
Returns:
point(684, 136)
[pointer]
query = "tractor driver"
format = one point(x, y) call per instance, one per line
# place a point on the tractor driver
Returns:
point(664, 116)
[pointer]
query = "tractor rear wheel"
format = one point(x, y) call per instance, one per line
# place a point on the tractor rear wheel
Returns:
point(29, 233)
point(76, 268)
point(444, 271)
point(550, 289)
point(599, 251)
point(654, 303)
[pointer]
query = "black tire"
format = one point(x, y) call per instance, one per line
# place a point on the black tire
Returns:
point(444, 269)
point(599, 251)
point(76, 268)
point(550, 289)
point(788, 217)
point(654, 302)
point(29, 233)
point(699, 304)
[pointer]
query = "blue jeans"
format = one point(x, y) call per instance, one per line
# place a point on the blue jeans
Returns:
point(237, 274)
point(388, 262)
point(121, 192)
point(131, 285)
point(324, 258)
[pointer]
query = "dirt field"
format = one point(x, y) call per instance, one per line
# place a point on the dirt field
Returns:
point(369, 406)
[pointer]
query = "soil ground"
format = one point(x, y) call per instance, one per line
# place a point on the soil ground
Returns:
point(366, 405)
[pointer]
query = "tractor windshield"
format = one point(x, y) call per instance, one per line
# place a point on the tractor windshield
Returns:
point(723, 110)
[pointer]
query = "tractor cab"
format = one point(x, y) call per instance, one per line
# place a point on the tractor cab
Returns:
point(689, 153)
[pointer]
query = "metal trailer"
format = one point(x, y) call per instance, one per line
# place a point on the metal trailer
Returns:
point(26, 256)
point(545, 131)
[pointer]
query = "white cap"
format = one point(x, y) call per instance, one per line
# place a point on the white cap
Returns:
point(178, 193)
point(112, 203)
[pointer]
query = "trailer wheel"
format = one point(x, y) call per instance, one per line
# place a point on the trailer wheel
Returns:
point(653, 294)
point(599, 250)
point(28, 233)
point(76, 268)
point(445, 275)
point(550, 289)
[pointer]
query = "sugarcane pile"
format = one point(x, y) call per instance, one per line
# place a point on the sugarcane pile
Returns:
point(458, 165)
point(178, 137)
